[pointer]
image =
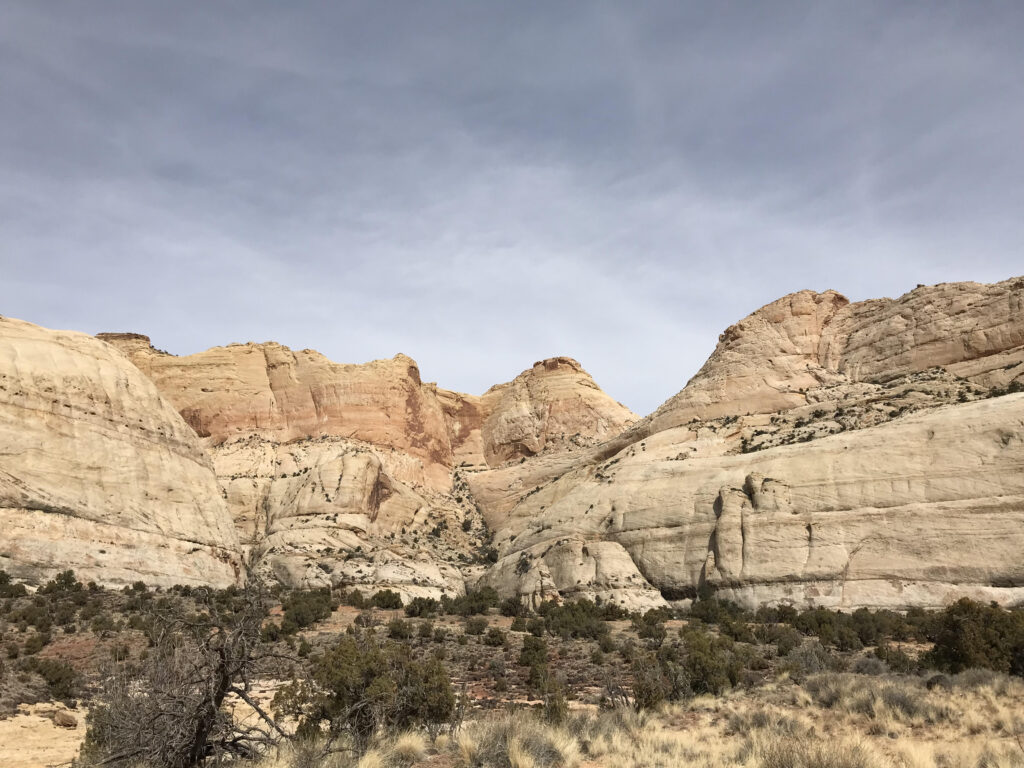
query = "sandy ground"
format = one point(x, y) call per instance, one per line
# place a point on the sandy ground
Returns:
point(31, 740)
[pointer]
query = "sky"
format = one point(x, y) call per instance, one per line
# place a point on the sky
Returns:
point(483, 185)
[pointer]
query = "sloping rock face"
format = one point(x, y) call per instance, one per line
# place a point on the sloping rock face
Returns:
point(777, 357)
point(827, 453)
point(554, 406)
point(98, 473)
point(918, 511)
point(353, 474)
point(276, 393)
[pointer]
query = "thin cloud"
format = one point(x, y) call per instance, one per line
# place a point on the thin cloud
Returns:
point(480, 186)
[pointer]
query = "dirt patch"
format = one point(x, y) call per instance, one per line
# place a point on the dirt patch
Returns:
point(30, 739)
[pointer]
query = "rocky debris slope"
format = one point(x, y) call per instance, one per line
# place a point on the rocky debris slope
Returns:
point(98, 473)
point(827, 400)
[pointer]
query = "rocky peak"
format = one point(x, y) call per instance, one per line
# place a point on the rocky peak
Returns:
point(778, 357)
point(555, 405)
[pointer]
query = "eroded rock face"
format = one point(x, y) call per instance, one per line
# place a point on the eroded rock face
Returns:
point(553, 406)
point(280, 394)
point(324, 512)
point(827, 453)
point(100, 474)
point(919, 511)
point(351, 474)
point(776, 358)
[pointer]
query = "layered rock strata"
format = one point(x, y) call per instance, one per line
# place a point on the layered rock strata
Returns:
point(98, 473)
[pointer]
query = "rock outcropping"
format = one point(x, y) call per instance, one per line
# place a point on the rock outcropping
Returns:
point(827, 453)
point(98, 473)
point(350, 474)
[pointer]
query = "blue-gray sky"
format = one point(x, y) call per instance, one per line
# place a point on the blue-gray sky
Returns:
point(481, 185)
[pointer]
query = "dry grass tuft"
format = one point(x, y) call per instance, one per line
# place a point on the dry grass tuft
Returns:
point(974, 720)
point(517, 740)
point(409, 748)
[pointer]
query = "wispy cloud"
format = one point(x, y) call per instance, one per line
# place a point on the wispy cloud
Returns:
point(482, 185)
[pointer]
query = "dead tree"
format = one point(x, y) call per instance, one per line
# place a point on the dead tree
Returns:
point(169, 712)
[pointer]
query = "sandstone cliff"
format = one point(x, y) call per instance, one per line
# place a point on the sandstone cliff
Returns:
point(828, 453)
point(98, 473)
point(352, 474)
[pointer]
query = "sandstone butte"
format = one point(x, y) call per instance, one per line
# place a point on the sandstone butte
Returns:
point(827, 453)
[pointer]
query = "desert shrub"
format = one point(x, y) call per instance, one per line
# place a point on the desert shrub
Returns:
point(810, 658)
point(440, 634)
point(776, 614)
point(878, 698)
point(710, 664)
point(8, 588)
point(475, 601)
point(425, 630)
point(422, 607)
point(651, 626)
point(366, 619)
point(360, 687)
point(737, 629)
point(969, 634)
point(35, 614)
point(61, 679)
point(580, 619)
point(518, 624)
point(167, 710)
point(874, 627)
point(895, 658)
point(782, 636)
point(64, 614)
point(802, 753)
point(399, 629)
point(303, 608)
point(475, 625)
point(534, 651)
point(628, 650)
point(535, 627)
point(869, 665)
point(654, 680)
point(64, 581)
point(833, 628)
point(714, 611)
point(556, 708)
point(920, 624)
point(35, 643)
point(940, 681)
point(120, 652)
point(354, 598)
point(974, 679)
point(494, 637)
point(514, 607)
point(386, 599)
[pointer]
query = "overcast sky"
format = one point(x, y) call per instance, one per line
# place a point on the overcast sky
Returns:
point(481, 185)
